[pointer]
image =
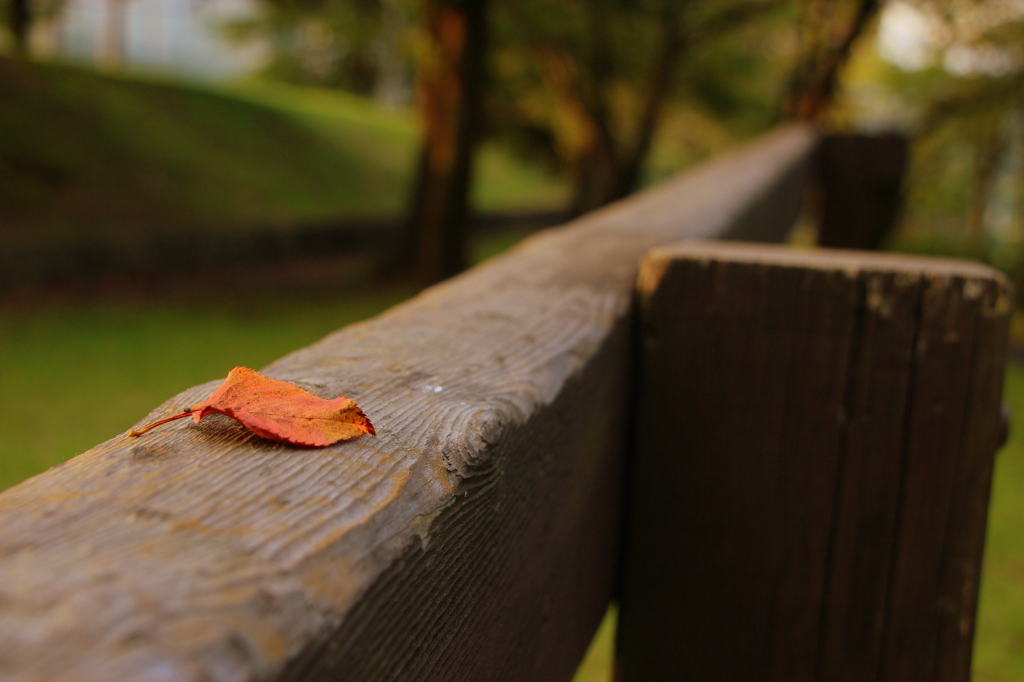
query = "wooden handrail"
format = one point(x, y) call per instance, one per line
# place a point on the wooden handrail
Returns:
point(476, 537)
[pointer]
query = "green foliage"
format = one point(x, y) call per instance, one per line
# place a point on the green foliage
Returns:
point(738, 78)
point(344, 44)
point(574, 83)
point(965, 110)
point(569, 78)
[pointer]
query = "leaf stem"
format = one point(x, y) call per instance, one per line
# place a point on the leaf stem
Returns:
point(181, 415)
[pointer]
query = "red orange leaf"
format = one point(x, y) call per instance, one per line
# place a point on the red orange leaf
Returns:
point(279, 411)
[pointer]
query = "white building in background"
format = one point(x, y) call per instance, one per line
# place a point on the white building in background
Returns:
point(180, 37)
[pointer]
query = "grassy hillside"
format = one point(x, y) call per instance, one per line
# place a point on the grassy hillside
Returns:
point(390, 139)
point(86, 154)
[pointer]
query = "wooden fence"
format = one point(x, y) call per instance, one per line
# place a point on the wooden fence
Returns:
point(797, 427)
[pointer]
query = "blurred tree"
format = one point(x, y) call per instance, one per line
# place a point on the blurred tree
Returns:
point(827, 31)
point(608, 68)
point(990, 143)
point(20, 16)
point(603, 72)
point(966, 88)
point(986, 102)
point(359, 45)
point(354, 45)
point(112, 45)
point(451, 80)
point(19, 22)
point(391, 88)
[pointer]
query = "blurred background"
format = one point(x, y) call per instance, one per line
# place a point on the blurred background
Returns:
point(190, 185)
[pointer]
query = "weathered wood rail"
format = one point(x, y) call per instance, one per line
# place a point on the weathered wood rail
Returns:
point(477, 537)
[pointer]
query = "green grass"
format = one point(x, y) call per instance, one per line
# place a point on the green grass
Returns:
point(597, 663)
point(83, 152)
point(74, 376)
point(86, 156)
point(502, 182)
point(999, 645)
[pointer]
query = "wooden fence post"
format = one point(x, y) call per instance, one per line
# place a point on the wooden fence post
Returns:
point(814, 449)
point(476, 537)
point(860, 178)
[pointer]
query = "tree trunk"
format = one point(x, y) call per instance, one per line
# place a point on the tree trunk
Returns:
point(988, 149)
point(677, 38)
point(815, 78)
point(392, 86)
point(113, 35)
point(451, 100)
point(592, 173)
point(20, 21)
point(595, 167)
point(627, 171)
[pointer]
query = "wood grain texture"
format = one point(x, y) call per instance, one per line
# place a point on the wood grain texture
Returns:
point(868, 495)
point(474, 538)
point(958, 591)
point(812, 466)
point(952, 435)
